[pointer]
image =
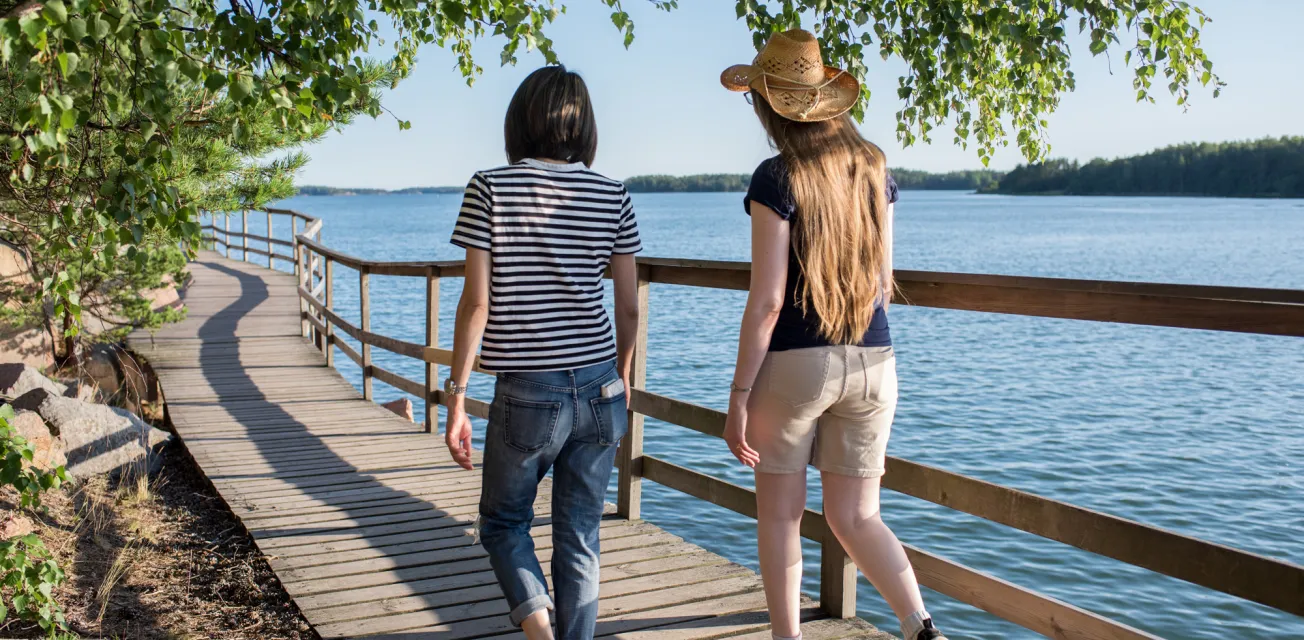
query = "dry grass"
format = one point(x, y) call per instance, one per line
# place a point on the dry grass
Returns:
point(161, 558)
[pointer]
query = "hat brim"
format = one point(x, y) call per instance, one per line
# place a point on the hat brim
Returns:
point(836, 98)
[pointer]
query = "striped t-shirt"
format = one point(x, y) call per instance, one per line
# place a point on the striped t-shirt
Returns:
point(551, 230)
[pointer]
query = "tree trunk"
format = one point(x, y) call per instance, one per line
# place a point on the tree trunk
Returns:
point(69, 341)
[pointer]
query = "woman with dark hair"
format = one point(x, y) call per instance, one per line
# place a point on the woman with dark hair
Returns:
point(539, 234)
point(815, 382)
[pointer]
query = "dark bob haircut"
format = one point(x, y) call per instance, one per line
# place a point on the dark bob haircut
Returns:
point(551, 117)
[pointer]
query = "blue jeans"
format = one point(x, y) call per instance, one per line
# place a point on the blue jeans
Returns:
point(539, 421)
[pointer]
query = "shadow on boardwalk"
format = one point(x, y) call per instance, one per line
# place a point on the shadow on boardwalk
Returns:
point(363, 516)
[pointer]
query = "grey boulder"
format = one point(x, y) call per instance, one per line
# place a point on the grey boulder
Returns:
point(17, 378)
point(97, 438)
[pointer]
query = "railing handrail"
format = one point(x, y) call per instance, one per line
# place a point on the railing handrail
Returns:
point(1269, 581)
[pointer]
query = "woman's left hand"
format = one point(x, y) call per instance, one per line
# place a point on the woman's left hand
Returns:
point(735, 433)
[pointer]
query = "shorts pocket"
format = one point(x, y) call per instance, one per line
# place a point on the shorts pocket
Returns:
point(798, 377)
point(881, 383)
point(528, 425)
point(612, 417)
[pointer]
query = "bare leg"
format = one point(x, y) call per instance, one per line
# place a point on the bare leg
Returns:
point(536, 626)
point(851, 509)
point(780, 500)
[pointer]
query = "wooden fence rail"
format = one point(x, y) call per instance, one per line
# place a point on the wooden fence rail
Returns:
point(1268, 581)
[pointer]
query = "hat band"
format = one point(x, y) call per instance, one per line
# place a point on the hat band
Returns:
point(797, 85)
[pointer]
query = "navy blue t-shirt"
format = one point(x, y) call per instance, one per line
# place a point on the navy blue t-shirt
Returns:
point(794, 330)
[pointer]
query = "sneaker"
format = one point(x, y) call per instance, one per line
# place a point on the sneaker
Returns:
point(929, 632)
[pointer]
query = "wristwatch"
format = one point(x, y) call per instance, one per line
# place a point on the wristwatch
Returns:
point(452, 388)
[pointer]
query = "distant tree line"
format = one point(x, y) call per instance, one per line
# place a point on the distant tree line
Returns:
point(905, 178)
point(971, 180)
point(698, 183)
point(1267, 168)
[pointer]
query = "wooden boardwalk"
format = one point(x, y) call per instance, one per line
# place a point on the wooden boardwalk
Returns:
point(365, 518)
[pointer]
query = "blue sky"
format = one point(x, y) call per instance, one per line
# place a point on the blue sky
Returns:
point(661, 109)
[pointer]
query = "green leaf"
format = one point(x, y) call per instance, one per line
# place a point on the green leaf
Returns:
point(76, 28)
point(33, 28)
point(215, 81)
point(55, 12)
point(99, 28)
point(241, 88)
point(67, 63)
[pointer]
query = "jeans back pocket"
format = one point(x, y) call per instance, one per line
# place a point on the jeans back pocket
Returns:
point(528, 425)
point(613, 420)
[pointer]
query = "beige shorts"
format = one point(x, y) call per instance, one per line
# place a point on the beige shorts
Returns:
point(830, 407)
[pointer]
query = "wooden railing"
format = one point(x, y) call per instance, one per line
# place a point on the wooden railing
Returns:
point(1267, 581)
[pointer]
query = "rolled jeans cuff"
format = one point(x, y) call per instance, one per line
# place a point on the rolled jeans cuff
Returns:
point(527, 608)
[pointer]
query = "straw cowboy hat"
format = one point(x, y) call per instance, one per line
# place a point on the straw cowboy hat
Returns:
point(790, 73)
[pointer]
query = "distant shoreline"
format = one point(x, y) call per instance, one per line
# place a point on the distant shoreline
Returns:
point(975, 180)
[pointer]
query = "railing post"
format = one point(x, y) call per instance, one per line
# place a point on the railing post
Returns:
point(301, 275)
point(364, 307)
point(244, 235)
point(328, 340)
point(226, 233)
point(837, 579)
point(629, 500)
point(432, 340)
point(269, 241)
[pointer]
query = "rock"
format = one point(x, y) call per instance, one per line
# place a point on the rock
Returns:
point(99, 366)
point(17, 378)
point(29, 345)
point(98, 439)
point(402, 407)
point(13, 525)
point(79, 390)
point(166, 296)
point(50, 451)
point(116, 375)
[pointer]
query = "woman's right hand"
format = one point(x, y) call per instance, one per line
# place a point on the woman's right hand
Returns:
point(457, 435)
point(735, 433)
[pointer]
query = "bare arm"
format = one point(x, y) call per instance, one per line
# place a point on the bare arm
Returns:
point(624, 278)
point(769, 279)
point(472, 315)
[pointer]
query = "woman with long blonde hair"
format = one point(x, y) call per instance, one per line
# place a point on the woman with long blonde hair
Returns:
point(815, 382)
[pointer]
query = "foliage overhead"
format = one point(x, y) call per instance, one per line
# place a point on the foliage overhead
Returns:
point(108, 103)
point(979, 64)
point(1266, 168)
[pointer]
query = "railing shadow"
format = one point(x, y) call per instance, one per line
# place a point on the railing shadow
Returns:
point(426, 546)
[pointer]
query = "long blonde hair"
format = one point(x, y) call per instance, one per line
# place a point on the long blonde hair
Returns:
point(838, 182)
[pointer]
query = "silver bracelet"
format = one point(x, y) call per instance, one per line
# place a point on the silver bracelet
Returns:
point(734, 388)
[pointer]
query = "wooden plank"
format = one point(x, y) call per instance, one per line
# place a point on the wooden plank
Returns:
point(398, 382)
point(417, 542)
point(629, 458)
point(1023, 607)
point(1027, 608)
point(270, 248)
point(364, 313)
point(1269, 581)
point(350, 352)
point(432, 341)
